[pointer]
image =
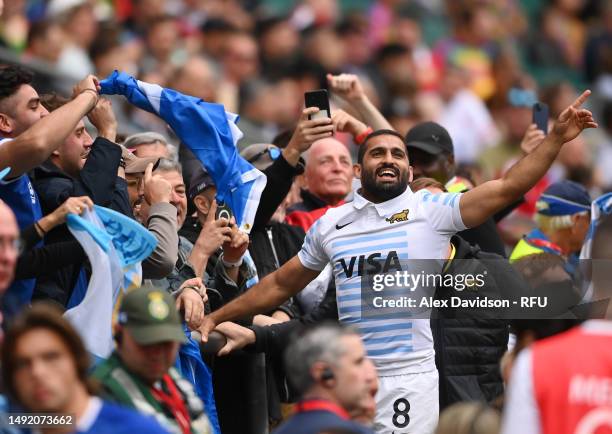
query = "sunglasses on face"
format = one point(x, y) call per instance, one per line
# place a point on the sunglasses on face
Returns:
point(274, 153)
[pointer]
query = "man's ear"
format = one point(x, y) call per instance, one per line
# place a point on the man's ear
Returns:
point(320, 374)
point(357, 171)
point(200, 204)
point(6, 124)
point(410, 174)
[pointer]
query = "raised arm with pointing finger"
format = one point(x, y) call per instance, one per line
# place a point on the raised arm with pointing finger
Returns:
point(383, 161)
point(485, 200)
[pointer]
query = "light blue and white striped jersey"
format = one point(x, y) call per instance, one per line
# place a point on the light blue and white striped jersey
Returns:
point(362, 234)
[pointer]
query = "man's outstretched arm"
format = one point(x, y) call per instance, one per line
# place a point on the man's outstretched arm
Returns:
point(482, 202)
point(269, 293)
point(35, 145)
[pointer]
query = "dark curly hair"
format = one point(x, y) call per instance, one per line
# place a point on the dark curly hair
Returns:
point(12, 78)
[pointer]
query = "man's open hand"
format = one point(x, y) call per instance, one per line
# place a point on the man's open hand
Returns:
point(237, 337)
point(573, 120)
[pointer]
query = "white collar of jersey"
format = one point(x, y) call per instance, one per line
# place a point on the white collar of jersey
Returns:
point(384, 208)
point(89, 417)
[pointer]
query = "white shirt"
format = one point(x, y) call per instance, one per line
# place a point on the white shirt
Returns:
point(361, 235)
point(470, 125)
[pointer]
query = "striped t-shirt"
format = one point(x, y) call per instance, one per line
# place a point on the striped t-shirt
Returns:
point(361, 236)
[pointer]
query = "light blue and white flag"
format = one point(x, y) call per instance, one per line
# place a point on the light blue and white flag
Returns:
point(115, 246)
point(133, 243)
point(211, 134)
point(92, 317)
point(600, 207)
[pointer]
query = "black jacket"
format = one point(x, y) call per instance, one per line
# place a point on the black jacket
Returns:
point(273, 243)
point(468, 349)
point(470, 343)
point(98, 180)
point(39, 261)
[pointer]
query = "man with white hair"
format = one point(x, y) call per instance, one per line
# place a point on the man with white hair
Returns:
point(151, 144)
point(328, 177)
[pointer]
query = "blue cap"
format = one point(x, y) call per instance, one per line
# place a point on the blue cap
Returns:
point(564, 198)
point(4, 172)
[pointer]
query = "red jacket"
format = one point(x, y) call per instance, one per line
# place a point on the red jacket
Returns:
point(572, 382)
point(305, 213)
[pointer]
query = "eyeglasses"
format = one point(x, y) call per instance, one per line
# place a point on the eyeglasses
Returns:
point(272, 151)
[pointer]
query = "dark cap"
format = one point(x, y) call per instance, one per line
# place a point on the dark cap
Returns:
point(429, 137)
point(564, 198)
point(150, 315)
point(200, 180)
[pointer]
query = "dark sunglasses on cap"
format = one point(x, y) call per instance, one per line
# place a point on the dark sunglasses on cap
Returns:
point(272, 151)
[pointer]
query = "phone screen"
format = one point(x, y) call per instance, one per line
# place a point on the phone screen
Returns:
point(540, 116)
point(320, 99)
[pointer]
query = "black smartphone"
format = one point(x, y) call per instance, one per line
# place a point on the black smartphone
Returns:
point(223, 212)
point(540, 116)
point(318, 98)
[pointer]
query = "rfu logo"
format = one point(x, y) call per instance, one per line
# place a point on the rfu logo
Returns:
point(401, 216)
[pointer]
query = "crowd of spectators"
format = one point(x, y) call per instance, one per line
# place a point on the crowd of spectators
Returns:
point(217, 339)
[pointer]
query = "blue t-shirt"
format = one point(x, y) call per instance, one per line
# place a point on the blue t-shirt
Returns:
point(315, 422)
point(20, 196)
point(113, 419)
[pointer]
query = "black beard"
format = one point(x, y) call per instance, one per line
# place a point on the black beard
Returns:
point(383, 191)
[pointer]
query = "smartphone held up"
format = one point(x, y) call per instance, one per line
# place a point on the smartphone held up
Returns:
point(318, 98)
point(540, 116)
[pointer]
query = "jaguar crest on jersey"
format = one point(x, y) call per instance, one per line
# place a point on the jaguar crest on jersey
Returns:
point(401, 216)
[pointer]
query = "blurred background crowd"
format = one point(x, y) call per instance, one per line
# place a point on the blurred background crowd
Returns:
point(474, 66)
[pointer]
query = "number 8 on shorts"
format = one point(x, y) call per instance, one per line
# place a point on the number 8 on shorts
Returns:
point(407, 404)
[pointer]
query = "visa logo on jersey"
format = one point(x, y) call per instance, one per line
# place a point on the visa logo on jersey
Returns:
point(370, 264)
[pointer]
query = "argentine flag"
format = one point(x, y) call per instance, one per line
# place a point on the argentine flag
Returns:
point(210, 133)
point(600, 207)
point(115, 246)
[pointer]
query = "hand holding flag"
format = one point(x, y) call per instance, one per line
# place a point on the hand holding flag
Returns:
point(210, 133)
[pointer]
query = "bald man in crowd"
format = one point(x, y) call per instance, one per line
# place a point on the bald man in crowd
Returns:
point(328, 176)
